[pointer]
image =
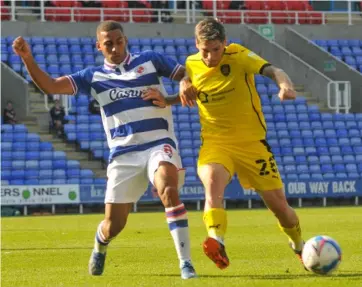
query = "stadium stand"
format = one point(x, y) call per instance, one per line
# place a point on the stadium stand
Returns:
point(27, 160)
point(307, 144)
point(349, 51)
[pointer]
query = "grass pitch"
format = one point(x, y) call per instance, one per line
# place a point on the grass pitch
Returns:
point(54, 251)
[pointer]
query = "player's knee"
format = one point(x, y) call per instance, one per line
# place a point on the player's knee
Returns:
point(169, 196)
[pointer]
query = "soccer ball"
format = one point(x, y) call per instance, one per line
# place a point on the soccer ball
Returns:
point(321, 254)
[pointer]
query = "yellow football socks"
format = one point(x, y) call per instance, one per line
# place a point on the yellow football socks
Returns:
point(294, 234)
point(215, 220)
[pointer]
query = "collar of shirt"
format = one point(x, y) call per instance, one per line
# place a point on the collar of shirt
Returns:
point(109, 66)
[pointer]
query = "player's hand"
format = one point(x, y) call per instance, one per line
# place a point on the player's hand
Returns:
point(287, 93)
point(154, 95)
point(188, 93)
point(21, 48)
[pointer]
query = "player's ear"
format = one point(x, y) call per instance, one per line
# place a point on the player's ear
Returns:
point(126, 41)
point(98, 45)
point(225, 42)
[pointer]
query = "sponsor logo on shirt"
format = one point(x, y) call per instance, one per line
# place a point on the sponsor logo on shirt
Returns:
point(116, 95)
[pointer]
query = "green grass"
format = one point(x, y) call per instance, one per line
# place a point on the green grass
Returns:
point(54, 251)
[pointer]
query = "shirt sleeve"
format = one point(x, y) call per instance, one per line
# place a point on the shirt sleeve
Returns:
point(251, 62)
point(164, 65)
point(81, 82)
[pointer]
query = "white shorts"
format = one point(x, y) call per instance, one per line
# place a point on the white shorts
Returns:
point(129, 174)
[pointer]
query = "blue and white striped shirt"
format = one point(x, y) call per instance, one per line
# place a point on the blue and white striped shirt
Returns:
point(131, 124)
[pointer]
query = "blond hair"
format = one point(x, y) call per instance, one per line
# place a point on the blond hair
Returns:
point(210, 29)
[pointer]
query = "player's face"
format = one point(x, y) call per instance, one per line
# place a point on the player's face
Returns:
point(113, 45)
point(211, 51)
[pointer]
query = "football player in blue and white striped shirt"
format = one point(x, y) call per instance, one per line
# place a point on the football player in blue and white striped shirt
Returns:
point(140, 135)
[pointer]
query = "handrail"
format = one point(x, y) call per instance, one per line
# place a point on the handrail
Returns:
point(189, 15)
point(339, 93)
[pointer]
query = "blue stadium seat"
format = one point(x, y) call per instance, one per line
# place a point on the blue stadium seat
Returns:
point(32, 181)
point(45, 146)
point(31, 174)
point(33, 137)
point(341, 175)
point(327, 168)
point(6, 146)
point(86, 181)
point(100, 181)
point(33, 146)
point(332, 142)
point(316, 176)
point(18, 165)
point(329, 133)
point(356, 141)
point(32, 155)
point(20, 128)
point(86, 173)
point(6, 155)
point(325, 159)
point(32, 164)
point(334, 150)
point(73, 181)
point(304, 176)
point(73, 164)
point(73, 173)
point(50, 49)
point(18, 155)
point(59, 181)
point(339, 168)
point(19, 146)
point(346, 150)
point(59, 155)
point(17, 174)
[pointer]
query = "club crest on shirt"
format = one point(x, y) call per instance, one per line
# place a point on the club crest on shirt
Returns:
point(225, 70)
point(140, 70)
point(168, 150)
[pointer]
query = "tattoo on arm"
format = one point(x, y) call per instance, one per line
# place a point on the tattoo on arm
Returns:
point(278, 75)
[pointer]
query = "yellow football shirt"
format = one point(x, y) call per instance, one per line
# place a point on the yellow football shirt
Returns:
point(229, 105)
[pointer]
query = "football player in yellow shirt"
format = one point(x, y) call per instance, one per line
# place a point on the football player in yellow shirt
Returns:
point(233, 132)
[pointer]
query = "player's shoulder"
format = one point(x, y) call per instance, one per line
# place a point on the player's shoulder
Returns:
point(235, 49)
point(193, 58)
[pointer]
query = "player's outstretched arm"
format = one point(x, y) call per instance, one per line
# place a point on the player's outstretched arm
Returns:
point(286, 86)
point(154, 95)
point(46, 83)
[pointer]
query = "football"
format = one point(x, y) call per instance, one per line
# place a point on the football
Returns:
point(321, 255)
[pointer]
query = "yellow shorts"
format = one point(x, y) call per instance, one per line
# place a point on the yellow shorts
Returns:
point(253, 162)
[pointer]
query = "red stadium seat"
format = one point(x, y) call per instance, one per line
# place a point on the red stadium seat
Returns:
point(116, 15)
point(141, 16)
point(256, 18)
point(223, 5)
point(274, 5)
point(254, 5)
point(229, 17)
point(57, 15)
point(315, 18)
point(61, 3)
point(279, 18)
point(87, 15)
point(207, 5)
point(114, 4)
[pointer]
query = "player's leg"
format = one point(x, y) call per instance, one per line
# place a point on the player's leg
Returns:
point(276, 201)
point(126, 184)
point(215, 169)
point(163, 172)
point(257, 168)
point(115, 219)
